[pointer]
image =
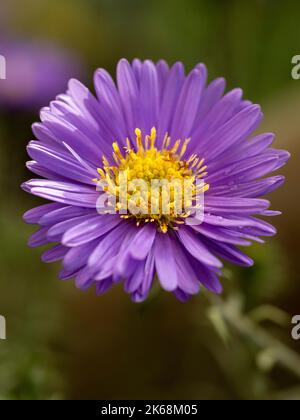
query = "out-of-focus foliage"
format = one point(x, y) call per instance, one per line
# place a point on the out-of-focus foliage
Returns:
point(249, 42)
point(65, 343)
point(31, 305)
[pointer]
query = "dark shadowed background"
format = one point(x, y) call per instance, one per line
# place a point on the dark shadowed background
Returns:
point(64, 343)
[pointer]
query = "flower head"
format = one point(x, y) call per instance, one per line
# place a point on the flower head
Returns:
point(158, 175)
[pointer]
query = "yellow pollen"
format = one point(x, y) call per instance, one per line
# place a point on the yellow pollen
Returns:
point(159, 171)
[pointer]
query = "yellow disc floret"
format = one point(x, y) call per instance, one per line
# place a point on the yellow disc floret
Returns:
point(153, 185)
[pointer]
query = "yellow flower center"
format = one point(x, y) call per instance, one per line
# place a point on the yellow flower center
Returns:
point(153, 185)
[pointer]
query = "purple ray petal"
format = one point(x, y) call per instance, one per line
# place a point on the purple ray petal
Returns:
point(148, 97)
point(235, 205)
point(129, 94)
point(187, 105)
point(172, 90)
point(34, 215)
point(142, 242)
point(196, 248)
point(165, 262)
point(90, 229)
point(55, 253)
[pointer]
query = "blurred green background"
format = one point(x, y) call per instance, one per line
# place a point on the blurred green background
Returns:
point(63, 343)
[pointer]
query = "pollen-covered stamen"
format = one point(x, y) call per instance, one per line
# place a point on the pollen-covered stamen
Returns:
point(155, 180)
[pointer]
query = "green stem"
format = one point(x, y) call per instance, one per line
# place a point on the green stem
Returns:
point(282, 354)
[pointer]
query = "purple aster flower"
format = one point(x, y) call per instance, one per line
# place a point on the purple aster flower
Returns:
point(36, 72)
point(155, 123)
